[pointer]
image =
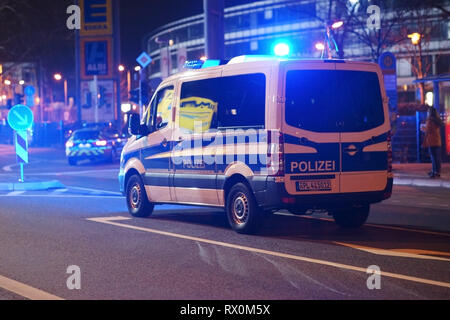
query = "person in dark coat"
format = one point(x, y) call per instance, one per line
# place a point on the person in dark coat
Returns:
point(433, 141)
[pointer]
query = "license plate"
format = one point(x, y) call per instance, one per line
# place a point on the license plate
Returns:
point(315, 185)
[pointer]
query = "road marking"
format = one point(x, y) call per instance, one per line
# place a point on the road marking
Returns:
point(15, 193)
point(96, 191)
point(9, 167)
point(111, 221)
point(371, 225)
point(60, 191)
point(405, 253)
point(25, 291)
point(68, 173)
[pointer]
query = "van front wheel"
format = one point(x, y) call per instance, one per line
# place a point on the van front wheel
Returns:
point(137, 201)
point(243, 213)
point(352, 217)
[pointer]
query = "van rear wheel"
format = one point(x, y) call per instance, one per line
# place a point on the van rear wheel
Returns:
point(352, 217)
point(243, 212)
point(137, 201)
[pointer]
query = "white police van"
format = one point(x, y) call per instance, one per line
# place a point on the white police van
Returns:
point(260, 134)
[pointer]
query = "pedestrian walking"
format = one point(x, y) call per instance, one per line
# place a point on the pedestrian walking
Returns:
point(433, 141)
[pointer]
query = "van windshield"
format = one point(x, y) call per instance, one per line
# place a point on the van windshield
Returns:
point(333, 100)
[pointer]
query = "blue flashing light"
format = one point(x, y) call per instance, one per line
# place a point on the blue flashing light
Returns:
point(282, 49)
point(211, 63)
point(194, 64)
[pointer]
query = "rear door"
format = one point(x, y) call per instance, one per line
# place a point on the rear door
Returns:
point(310, 128)
point(364, 127)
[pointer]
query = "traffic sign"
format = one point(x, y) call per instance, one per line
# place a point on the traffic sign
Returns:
point(29, 91)
point(21, 142)
point(144, 60)
point(20, 118)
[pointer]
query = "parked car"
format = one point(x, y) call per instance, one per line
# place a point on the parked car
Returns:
point(94, 144)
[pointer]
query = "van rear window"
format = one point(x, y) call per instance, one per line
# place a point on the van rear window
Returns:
point(333, 100)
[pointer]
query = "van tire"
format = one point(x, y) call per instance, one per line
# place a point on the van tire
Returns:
point(244, 214)
point(137, 201)
point(352, 217)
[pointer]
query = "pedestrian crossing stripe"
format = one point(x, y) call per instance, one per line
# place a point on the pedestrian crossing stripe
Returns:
point(22, 146)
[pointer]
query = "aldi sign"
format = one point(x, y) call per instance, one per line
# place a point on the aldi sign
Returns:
point(96, 57)
point(97, 17)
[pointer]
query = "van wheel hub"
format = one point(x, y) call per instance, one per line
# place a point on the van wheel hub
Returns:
point(135, 197)
point(240, 208)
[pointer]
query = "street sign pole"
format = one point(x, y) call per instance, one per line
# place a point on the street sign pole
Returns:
point(20, 119)
point(144, 60)
point(140, 94)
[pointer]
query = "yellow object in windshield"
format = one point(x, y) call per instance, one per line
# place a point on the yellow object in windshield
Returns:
point(197, 114)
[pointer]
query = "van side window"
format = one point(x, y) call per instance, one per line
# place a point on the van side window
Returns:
point(199, 104)
point(160, 110)
point(244, 101)
point(227, 102)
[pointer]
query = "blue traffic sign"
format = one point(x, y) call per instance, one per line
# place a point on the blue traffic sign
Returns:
point(20, 118)
point(29, 91)
point(144, 60)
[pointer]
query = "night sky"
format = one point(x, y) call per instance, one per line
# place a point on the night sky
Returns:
point(140, 17)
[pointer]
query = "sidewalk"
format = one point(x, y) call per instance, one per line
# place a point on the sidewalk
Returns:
point(416, 174)
point(6, 149)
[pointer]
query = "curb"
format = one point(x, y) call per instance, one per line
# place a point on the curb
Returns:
point(31, 186)
point(418, 182)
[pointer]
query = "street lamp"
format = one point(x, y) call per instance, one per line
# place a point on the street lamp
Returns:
point(319, 46)
point(21, 82)
point(415, 38)
point(121, 68)
point(8, 82)
point(329, 38)
point(58, 77)
point(137, 68)
point(337, 25)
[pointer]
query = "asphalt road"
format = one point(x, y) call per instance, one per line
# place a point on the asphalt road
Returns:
point(191, 253)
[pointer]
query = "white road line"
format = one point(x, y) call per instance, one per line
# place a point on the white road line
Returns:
point(371, 225)
point(25, 291)
point(110, 221)
point(68, 173)
point(15, 193)
point(95, 190)
point(58, 191)
point(9, 168)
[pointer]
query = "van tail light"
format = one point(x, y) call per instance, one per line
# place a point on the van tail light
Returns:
point(389, 152)
point(275, 154)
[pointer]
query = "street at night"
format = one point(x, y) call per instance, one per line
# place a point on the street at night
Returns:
point(225, 159)
point(191, 253)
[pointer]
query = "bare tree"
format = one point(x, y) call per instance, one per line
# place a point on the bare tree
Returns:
point(381, 39)
point(421, 21)
point(33, 30)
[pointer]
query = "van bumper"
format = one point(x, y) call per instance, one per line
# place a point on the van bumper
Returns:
point(272, 195)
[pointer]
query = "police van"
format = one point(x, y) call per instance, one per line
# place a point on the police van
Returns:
point(258, 134)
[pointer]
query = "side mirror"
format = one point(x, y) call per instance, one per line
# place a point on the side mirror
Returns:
point(134, 126)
